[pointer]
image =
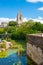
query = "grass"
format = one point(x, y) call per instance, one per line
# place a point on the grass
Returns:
point(19, 44)
point(3, 54)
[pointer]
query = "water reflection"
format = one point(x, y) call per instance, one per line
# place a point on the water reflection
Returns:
point(13, 59)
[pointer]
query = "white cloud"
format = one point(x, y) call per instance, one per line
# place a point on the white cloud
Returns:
point(39, 19)
point(34, 1)
point(25, 19)
point(41, 8)
point(6, 19)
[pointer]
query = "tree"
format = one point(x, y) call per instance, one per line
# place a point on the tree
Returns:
point(37, 26)
point(2, 30)
point(20, 32)
point(41, 28)
point(12, 23)
point(11, 29)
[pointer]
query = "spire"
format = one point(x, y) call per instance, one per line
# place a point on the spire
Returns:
point(19, 18)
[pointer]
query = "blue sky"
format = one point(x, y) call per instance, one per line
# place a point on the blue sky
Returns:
point(28, 8)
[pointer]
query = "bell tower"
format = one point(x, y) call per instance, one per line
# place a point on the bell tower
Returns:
point(19, 18)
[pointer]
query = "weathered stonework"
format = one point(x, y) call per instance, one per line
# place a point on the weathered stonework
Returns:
point(35, 48)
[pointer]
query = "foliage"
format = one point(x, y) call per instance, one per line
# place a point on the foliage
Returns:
point(3, 54)
point(3, 45)
point(12, 23)
point(11, 29)
point(37, 26)
point(2, 30)
point(19, 32)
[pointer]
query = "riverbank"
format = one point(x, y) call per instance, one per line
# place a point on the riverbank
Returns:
point(18, 46)
point(21, 44)
point(4, 45)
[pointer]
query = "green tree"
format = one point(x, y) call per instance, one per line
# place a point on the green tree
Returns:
point(37, 26)
point(12, 23)
point(2, 30)
point(20, 32)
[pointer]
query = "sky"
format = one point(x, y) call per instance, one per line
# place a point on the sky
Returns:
point(30, 9)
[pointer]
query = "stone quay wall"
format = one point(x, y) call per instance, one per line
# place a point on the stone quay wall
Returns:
point(35, 48)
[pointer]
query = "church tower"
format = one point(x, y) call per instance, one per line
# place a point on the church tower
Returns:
point(19, 18)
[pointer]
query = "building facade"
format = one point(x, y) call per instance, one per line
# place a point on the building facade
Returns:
point(3, 24)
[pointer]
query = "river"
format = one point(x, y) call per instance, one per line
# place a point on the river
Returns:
point(12, 58)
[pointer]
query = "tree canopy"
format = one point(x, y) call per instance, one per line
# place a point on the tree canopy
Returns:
point(12, 23)
point(20, 32)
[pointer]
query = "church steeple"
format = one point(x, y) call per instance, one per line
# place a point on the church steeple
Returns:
point(19, 18)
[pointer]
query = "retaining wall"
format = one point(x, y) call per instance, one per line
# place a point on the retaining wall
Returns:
point(35, 48)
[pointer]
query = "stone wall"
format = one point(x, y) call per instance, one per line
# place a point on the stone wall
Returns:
point(35, 48)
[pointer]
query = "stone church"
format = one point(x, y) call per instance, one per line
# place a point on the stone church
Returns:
point(19, 18)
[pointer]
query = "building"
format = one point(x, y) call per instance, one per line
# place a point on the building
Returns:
point(3, 24)
point(19, 18)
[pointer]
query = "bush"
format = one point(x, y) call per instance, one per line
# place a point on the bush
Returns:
point(12, 23)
